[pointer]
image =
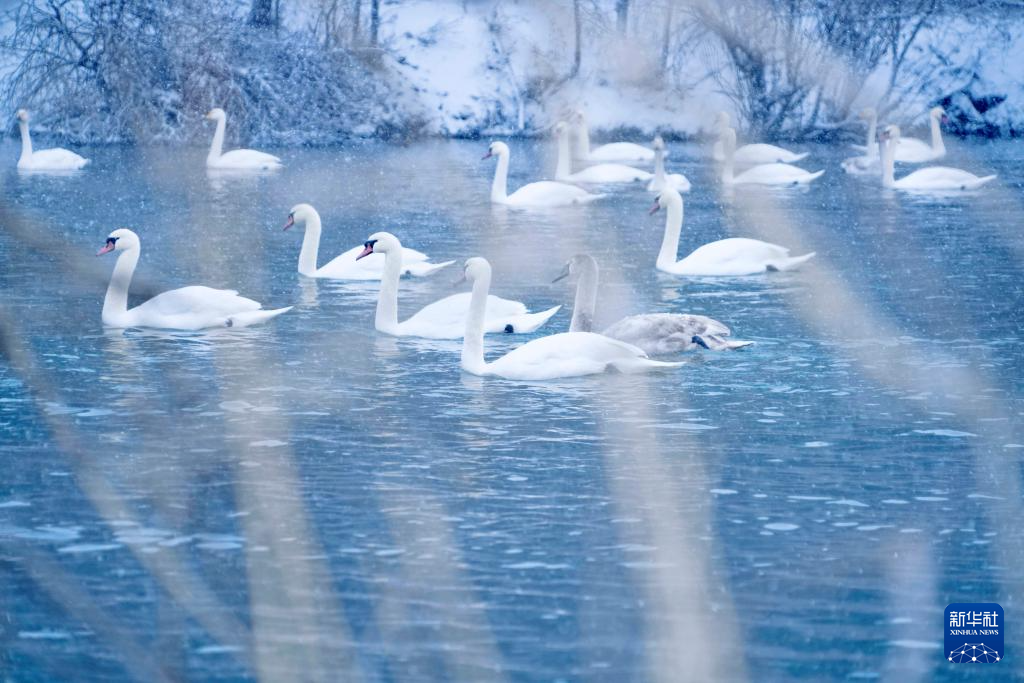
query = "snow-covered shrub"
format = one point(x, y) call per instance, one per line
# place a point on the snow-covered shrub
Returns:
point(140, 70)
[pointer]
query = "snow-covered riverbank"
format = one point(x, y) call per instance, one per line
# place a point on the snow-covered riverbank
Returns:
point(508, 67)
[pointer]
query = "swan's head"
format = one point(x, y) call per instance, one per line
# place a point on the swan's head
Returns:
point(939, 113)
point(476, 268)
point(722, 119)
point(299, 214)
point(890, 132)
point(867, 113)
point(577, 265)
point(216, 114)
point(22, 115)
point(496, 149)
point(380, 243)
point(658, 142)
point(578, 117)
point(665, 199)
point(119, 240)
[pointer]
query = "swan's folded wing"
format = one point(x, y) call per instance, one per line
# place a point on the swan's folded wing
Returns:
point(775, 174)
point(518, 324)
point(680, 182)
point(199, 300)
point(424, 268)
point(610, 173)
point(664, 333)
point(568, 354)
point(738, 249)
point(623, 152)
point(57, 159)
point(247, 158)
point(940, 177)
point(452, 311)
point(345, 267)
point(572, 354)
point(549, 193)
point(412, 256)
point(762, 153)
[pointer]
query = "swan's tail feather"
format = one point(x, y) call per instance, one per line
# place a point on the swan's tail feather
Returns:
point(713, 342)
point(528, 322)
point(813, 176)
point(789, 263)
point(796, 157)
point(247, 318)
point(591, 198)
point(986, 179)
point(423, 268)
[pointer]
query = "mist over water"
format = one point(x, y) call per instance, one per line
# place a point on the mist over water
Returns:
point(310, 495)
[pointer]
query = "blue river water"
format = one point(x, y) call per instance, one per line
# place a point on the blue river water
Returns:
point(312, 500)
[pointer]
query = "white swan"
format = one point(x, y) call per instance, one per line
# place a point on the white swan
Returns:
point(914, 151)
point(237, 159)
point(661, 180)
point(765, 174)
point(569, 354)
point(656, 334)
point(613, 152)
point(56, 159)
point(868, 161)
point(540, 194)
point(444, 319)
point(348, 266)
point(931, 179)
point(188, 308)
point(755, 154)
point(908, 150)
point(598, 173)
point(731, 256)
point(871, 116)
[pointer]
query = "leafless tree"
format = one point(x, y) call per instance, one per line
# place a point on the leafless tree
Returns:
point(795, 67)
point(357, 10)
point(265, 13)
point(622, 16)
point(374, 22)
point(577, 24)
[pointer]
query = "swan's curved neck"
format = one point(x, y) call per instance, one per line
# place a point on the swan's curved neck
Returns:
point(659, 167)
point(729, 151)
point(872, 134)
point(473, 341)
point(26, 141)
point(499, 188)
point(582, 150)
point(563, 169)
point(938, 146)
point(386, 319)
point(887, 150)
point(217, 146)
point(670, 241)
point(586, 300)
point(115, 303)
point(310, 247)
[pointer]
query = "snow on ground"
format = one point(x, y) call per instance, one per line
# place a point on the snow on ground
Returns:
point(503, 67)
point(490, 66)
